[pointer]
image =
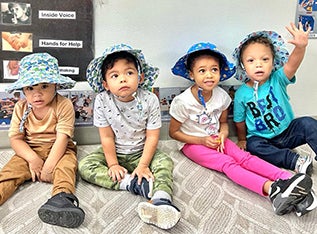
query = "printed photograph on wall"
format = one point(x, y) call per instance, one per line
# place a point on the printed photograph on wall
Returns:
point(17, 41)
point(16, 13)
point(83, 105)
point(231, 90)
point(166, 96)
point(62, 28)
point(7, 102)
point(10, 69)
point(306, 13)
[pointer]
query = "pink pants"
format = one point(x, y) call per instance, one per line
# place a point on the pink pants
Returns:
point(240, 166)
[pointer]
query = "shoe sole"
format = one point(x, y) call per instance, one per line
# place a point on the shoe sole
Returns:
point(310, 208)
point(64, 217)
point(162, 216)
point(296, 192)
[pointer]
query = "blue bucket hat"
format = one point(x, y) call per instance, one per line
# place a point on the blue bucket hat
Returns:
point(180, 68)
point(280, 57)
point(94, 73)
point(40, 68)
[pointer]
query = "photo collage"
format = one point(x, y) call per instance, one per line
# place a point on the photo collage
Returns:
point(82, 100)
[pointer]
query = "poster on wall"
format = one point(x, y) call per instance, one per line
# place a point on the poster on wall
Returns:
point(306, 13)
point(63, 28)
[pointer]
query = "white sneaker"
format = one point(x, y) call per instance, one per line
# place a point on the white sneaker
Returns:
point(162, 213)
point(304, 165)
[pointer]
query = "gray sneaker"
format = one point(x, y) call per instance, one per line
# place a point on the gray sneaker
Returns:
point(308, 204)
point(285, 194)
point(145, 189)
point(62, 210)
point(304, 164)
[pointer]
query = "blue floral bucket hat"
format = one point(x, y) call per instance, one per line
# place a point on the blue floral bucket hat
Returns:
point(40, 68)
point(180, 68)
point(280, 58)
point(94, 73)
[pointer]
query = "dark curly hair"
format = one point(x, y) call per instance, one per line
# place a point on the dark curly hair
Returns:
point(110, 60)
point(191, 58)
point(257, 39)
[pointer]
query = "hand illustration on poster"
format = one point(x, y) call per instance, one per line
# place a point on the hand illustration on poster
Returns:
point(17, 41)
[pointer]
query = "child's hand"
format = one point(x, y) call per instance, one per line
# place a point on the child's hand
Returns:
point(142, 171)
point(117, 172)
point(212, 142)
point(47, 173)
point(300, 37)
point(242, 145)
point(221, 137)
point(35, 166)
point(46, 176)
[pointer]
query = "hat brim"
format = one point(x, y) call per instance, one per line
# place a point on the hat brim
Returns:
point(280, 58)
point(94, 73)
point(63, 82)
point(227, 70)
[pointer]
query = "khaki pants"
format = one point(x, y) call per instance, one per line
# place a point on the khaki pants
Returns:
point(17, 171)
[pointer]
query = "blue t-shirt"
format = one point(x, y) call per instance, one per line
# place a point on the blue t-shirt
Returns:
point(269, 113)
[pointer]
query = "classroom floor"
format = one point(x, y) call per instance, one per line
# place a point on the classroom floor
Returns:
point(208, 200)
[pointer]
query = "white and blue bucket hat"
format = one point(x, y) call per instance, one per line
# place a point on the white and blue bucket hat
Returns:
point(180, 68)
point(280, 57)
point(40, 68)
point(94, 72)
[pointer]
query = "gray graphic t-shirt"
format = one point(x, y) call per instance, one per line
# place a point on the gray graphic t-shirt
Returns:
point(128, 120)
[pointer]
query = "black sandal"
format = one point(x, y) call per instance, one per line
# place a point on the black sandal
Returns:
point(62, 210)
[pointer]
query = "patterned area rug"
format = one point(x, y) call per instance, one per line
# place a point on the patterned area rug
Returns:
point(209, 202)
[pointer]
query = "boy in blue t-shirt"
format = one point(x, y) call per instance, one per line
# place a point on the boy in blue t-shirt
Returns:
point(263, 115)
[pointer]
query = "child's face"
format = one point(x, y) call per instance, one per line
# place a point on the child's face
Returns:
point(257, 60)
point(39, 96)
point(206, 72)
point(122, 80)
point(18, 11)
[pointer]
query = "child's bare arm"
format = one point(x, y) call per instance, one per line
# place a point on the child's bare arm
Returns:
point(300, 41)
point(23, 150)
point(56, 153)
point(107, 139)
point(143, 170)
point(242, 134)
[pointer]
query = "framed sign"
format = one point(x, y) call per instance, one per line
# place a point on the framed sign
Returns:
point(306, 13)
point(63, 28)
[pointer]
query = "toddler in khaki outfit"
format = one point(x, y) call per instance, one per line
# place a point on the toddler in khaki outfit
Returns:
point(40, 133)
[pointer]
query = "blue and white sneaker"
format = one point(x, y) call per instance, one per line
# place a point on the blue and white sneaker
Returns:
point(304, 164)
point(285, 194)
point(308, 204)
point(159, 212)
point(145, 189)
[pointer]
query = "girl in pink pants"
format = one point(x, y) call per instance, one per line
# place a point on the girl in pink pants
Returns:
point(199, 121)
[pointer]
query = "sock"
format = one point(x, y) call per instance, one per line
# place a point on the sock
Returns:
point(125, 182)
point(160, 194)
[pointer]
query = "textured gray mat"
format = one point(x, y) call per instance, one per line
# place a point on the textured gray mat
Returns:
point(210, 203)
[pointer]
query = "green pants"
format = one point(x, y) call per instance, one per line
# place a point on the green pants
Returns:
point(94, 169)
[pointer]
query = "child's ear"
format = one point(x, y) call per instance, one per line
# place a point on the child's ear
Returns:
point(105, 84)
point(191, 76)
point(141, 78)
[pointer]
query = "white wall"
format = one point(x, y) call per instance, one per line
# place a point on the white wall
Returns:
point(165, 29)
